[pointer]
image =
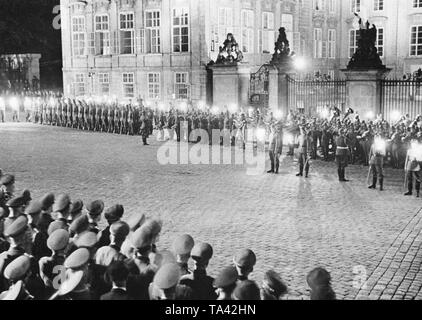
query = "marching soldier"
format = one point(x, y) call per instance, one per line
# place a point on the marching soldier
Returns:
point(130, 120)
point(145, 130)
point(304, 150)
point(98, 118)
point(123, 119)
point(117, 113)
point(110, 119)
point(86, 116)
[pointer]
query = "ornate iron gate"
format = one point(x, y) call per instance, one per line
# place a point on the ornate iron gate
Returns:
point(312, 96)
point(259, 85)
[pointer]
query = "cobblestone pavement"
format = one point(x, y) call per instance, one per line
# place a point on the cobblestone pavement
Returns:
point(293, 224)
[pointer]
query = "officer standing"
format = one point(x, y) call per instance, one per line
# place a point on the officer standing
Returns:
point(342, 155)
point(413, 168)
point(276, 148)
point(376, 162)
point(304, 150)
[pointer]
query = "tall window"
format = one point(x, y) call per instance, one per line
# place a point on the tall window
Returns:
point(154, 86)
point(152, 29)
point(380, 41)
point(416, 41)
point(356, 5)
point(331, 43)
point(378, 5)
point(225, 24)
point(128, 85)
point(417, 3)
point(79, 84)
point(78, 36)
point(180, 30)
point(267, 32)
point(127, 33)
point(102, 35)
point(287, 23)
point(319, 5)
point(353, 42)
point(181, 87)
point(248, 28)
point(104, 83)
point(332, 6)
point(317, 43)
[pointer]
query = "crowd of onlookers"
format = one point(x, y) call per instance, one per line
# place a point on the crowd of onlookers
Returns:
point(53, 248)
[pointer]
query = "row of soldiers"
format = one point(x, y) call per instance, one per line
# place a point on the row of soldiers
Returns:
point(53, 248)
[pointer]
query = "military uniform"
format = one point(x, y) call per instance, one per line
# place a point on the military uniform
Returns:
point(376, 161)
point(342, 156)
point(304, 150)
point(275, 149)
point(413, 172)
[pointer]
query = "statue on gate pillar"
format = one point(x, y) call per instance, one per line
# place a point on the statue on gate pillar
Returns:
point(366, 55)
point(229, 53)
point(282, 52)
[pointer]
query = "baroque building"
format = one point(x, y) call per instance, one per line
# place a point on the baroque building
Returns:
point(158, 50)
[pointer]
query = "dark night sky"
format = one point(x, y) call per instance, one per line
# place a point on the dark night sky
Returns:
point(26, 26)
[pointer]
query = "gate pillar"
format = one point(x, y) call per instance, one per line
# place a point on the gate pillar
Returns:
point(278, 89)
point(363, 91)
point(230, 84)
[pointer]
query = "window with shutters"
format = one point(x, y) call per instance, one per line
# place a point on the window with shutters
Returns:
point(127, 33)
point(297, 46)
point(318, 43)
point(102, 35)
point(152, 32)
point(104, 83)
point(332, 6)
point(128, 84)
point(268, 32)
point(154, 87)
point(248, 29)
point(180, 24)
point(287, 23)
point(416, 41)
point(181, 88)
point(331, 43)
point(78, 36)
point(417, 3)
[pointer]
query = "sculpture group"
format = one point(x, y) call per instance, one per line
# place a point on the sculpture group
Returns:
point(366, 55)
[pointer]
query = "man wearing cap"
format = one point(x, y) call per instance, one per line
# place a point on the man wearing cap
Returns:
point(225, 283)
point(112, 215)
point(61, 208)
point(39, 234)
point(272, 287)
point(165, 283)
point(75, 210)
point(16, 208)
point(140, 269)
point(17, 273)
point(77, 228)
point(47, 202)
point(95, 209)
point(16, 232)
point(107, 254)
point(135, 221)
point(51, 267)
point(78, 288)
point(199, 281)
point(342, 155)
point(182, 247)
point(246, 290)
point(244, 261)
point(7, 189)
point(276, 147)
point(118, 274)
